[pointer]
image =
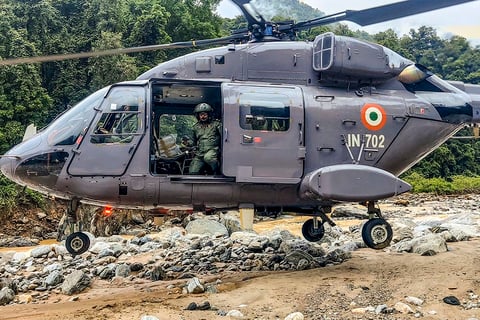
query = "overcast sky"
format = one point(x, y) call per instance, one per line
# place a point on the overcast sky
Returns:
point(463, 19)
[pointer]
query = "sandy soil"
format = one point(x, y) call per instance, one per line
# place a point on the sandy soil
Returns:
point(369, 278)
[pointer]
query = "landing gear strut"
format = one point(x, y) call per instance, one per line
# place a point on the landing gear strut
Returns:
point(312, 229)
point(77, 242)
point(376, 232)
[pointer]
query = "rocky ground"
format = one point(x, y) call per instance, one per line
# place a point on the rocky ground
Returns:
point(205, 267)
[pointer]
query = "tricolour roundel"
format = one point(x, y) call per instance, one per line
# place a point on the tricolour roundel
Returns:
point(373, 116)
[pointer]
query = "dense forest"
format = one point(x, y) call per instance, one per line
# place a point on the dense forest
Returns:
point(38, 92)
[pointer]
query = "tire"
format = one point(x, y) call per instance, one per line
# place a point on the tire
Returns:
point(77, 243)
point(377, 233)
point(312, 234)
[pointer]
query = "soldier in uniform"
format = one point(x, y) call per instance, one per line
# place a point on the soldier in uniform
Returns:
point(206, 138)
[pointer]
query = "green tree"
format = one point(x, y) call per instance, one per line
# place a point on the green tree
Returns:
point(146, 26)
point(388, 39)
point(111, 69)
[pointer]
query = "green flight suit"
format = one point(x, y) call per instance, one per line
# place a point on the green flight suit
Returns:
point(207, 139)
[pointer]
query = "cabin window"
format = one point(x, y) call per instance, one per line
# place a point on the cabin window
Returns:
point(120, 120)
point(264, 112)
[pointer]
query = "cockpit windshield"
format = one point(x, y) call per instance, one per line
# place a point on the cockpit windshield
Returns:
point(69, 126)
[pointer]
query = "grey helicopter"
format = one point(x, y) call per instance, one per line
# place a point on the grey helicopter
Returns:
point(305, 125)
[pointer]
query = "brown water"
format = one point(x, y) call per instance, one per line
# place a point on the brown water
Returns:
point(24, 249)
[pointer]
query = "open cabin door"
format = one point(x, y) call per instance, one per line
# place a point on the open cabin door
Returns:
point(263, 133)
point(114, 135)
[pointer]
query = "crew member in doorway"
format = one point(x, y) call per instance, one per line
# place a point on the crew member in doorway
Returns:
point(206, 138)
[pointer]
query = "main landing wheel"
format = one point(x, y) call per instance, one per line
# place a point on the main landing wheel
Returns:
point(311, 233)
point(77, 243)
point(377, 233)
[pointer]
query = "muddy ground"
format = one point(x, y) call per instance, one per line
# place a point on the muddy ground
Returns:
point(369, 279)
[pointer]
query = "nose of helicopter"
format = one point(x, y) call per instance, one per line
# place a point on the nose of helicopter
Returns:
point(33, 163)
point(12, 158)
point(7, 165)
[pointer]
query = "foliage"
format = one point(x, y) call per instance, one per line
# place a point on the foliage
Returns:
point(455, 185)
point(296, 10)
point(13, 197)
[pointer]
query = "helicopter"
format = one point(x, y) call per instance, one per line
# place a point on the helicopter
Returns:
point(305, 125)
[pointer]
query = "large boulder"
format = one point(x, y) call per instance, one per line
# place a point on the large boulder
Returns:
point(206, 227)
point(75, 282)
point(429, 245)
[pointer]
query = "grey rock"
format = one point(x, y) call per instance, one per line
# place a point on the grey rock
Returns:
point(137, 217)
point(75, 282)
point(457, 234)
point(41, 251)
point(258, 244)
point(19, 257)
point(9, 283)
point(206, 226)
point(303, 264)
point(54, 278)
point(147, 317)
point(381, 309)
point(295, 316)
point(234, 314)
point(231, 221)
point(414, 300)
point(107, 272)
point(98, 246)
point(194, 286)
point(347, 211)
point(106, 252)
point(158, 273)
point(6, 296)
point(122, 270)
point(244, 238)
point(136, 266)
point(338, 255)
point(52, 267)
point(311, 248)
point(428, 244)
point(403, 308)
point(18, 242)
point(295, 256)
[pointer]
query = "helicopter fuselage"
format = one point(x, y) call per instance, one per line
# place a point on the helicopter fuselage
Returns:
point(304, 125)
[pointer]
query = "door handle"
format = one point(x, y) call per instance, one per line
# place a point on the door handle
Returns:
point(225, 130)
point(300, 134)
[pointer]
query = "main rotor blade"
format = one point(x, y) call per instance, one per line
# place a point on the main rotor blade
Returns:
point(109, 52)
point(382, 13)
point(249, 12)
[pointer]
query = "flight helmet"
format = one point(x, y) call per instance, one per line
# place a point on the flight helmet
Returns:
point(202, 107)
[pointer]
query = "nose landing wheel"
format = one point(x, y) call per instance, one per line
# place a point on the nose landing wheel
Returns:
point(77, 243)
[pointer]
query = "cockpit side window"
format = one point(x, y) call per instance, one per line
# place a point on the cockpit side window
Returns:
point(70, 126)
point(121, 119)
